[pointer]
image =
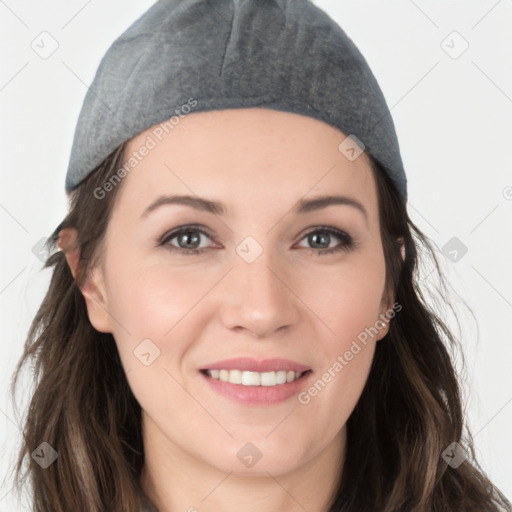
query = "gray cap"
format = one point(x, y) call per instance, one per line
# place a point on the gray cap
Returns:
point(197, 55)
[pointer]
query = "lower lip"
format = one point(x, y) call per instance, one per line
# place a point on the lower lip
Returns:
point(257, 395)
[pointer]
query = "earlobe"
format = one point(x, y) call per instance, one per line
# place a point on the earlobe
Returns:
point(94, 293)
point(92, 288)
point(383, 331)
point(382, 324)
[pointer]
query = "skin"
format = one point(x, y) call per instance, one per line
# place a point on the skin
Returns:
point(197, 309)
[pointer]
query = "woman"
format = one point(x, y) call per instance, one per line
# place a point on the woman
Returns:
point(234, 320)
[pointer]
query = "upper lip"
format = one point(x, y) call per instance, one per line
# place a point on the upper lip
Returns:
point(256, 365)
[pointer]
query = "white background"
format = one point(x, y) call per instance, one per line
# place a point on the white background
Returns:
point(453, 120)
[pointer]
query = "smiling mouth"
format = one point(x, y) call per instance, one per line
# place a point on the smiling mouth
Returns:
point(261, 379)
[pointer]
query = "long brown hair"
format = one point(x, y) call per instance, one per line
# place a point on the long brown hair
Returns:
point(410, 410)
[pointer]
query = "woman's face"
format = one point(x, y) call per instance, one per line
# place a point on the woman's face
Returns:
point(268, 283)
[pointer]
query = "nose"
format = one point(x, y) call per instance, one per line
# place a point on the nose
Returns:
point(259, 298)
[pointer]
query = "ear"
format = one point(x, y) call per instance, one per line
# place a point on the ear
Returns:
point(402, 247)
point(93, 287)
point(387, 302)
point(382, 323)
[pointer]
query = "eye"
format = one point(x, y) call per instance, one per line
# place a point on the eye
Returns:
point(322, 237)
point(187, 239)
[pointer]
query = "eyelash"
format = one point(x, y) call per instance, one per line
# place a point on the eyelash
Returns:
point(347, 244)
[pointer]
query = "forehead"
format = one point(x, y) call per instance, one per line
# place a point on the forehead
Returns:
point(244, 156)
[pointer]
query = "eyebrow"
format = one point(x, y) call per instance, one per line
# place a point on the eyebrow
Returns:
point(217, 208)
point(199, 203)
point(309, 205)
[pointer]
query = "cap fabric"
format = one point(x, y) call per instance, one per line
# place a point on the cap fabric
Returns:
point(185, 56)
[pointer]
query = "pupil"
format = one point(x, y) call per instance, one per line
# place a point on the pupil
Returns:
point(187, 235)
point(315, 236)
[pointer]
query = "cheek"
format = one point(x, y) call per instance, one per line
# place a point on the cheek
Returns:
point(344, 364)
point(150, 301)
point(347, 299)
point(332, 396)
point(152, 307)
point(348, 305)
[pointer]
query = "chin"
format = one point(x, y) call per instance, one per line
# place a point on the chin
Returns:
point(261, 457)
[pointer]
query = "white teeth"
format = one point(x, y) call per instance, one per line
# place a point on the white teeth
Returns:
point(268, 379)
point(281, 377)
point(254, 378)
point(235, 377)
point(250, 378)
